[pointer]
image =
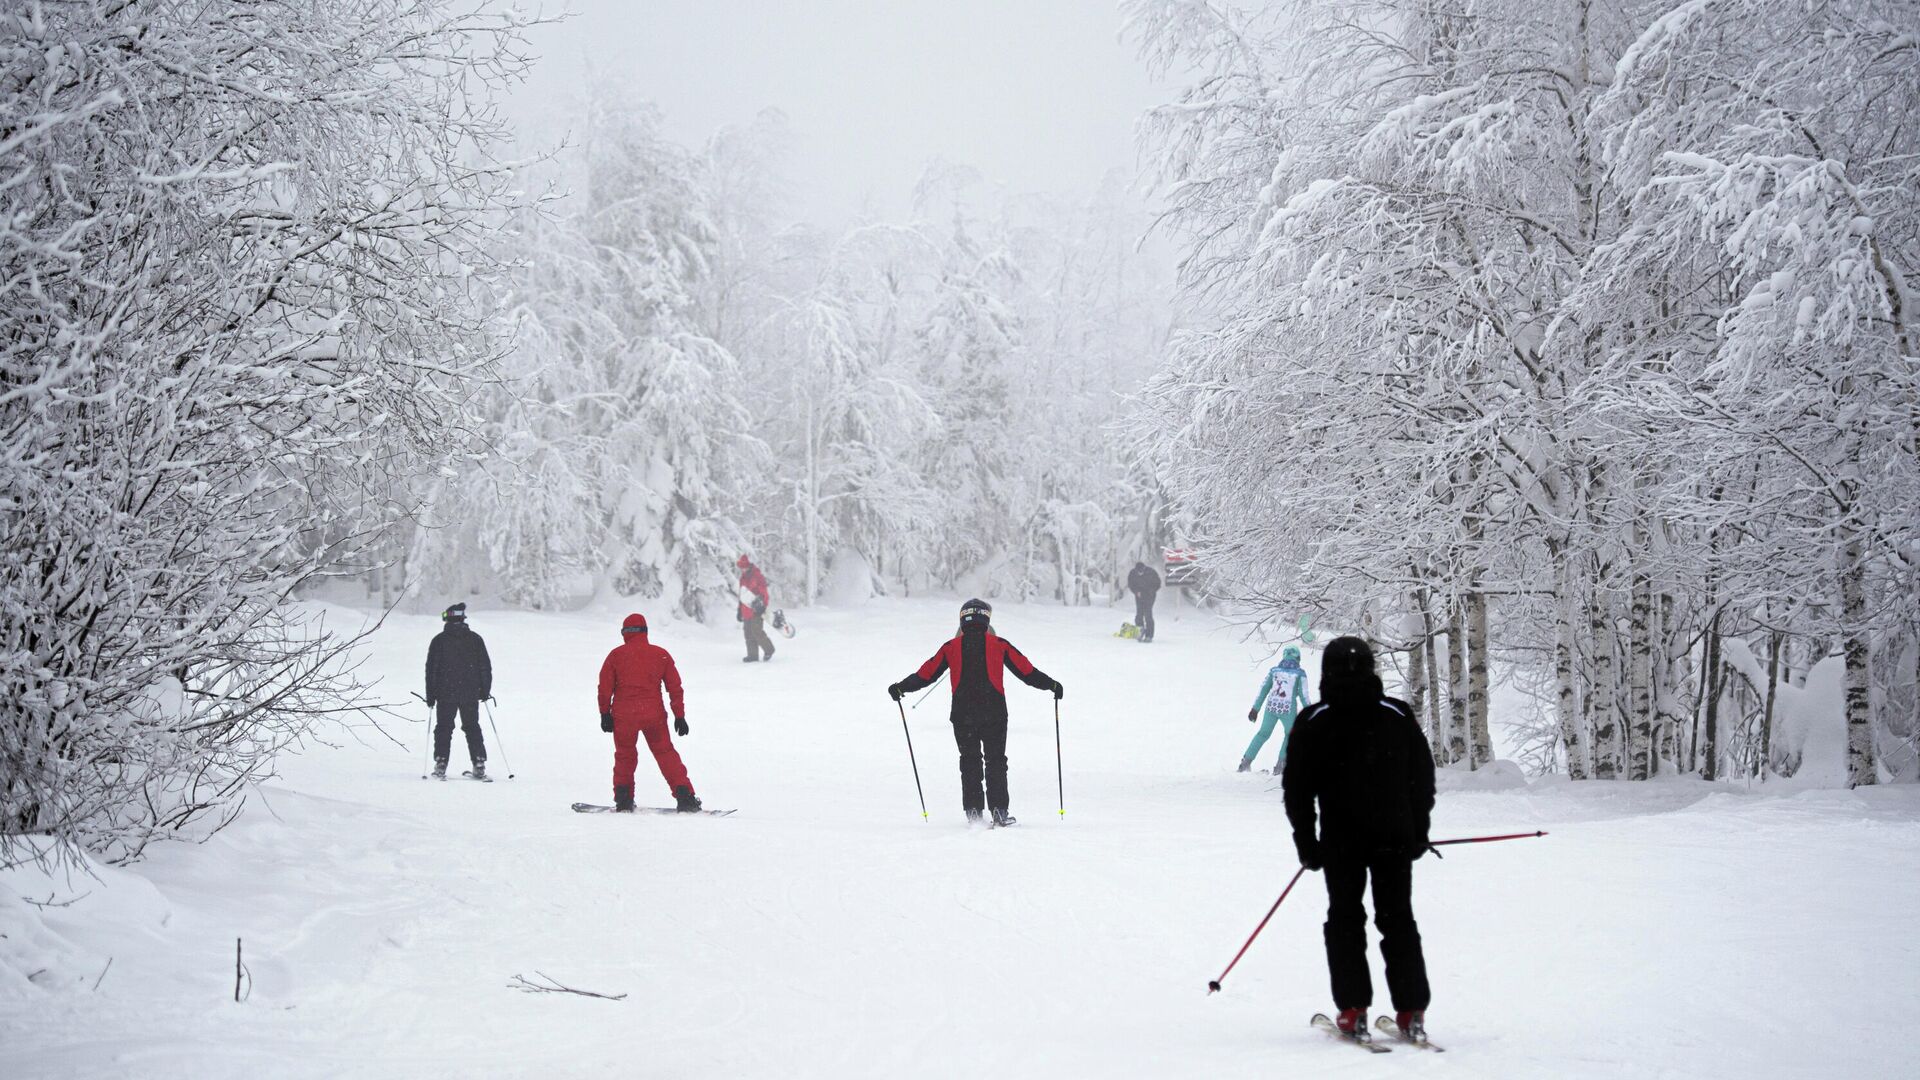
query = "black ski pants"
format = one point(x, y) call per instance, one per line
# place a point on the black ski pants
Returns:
point(1346, 931)
point(757, 639)
point(982, 738)
point(469, 712)
point(1143, 614)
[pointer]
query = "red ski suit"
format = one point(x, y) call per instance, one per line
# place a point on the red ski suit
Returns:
point(630, 683)
point(753, 583)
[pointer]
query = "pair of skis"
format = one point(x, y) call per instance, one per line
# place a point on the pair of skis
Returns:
point(467, 775)
point(1365, 1041)
point(596, 808)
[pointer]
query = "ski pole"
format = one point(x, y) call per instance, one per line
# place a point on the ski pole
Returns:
point(1214, 986)
point(928, 694)
point(1487, 839)
point(426, 763)
point(916, 765)
point(497, 740)
point(1059, 773)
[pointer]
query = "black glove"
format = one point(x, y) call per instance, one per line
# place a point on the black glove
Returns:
point(1415, 851)
point(486, 697)
point(429, 703)
point(1252, 713)
point(606, 721)
point(1309, 850)
point(680, 726)
point(895, 692)
point(759, 608)
point(737, 617)
point(1058, 690)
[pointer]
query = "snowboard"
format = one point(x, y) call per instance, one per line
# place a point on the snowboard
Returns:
point(596, 808)
point(781, 624)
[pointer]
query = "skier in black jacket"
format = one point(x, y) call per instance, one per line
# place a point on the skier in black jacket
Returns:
point(1145, 585)
point(459, 678)
point(976, 662)
point(1362, 757)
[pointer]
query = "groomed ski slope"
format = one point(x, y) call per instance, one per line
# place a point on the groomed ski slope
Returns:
point(826, 930)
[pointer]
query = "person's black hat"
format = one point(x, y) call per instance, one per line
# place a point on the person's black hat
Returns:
point(455, 613)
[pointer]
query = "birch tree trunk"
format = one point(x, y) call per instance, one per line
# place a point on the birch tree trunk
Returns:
point(1640, 662)
point(1456, 685)
point(1603, 690)
point(1566, 697)
point(1481, 741)
point(1857, 646)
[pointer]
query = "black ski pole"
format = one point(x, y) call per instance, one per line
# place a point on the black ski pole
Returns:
point(1214, 986)
point(1059, 772)
point(916, 764)
point(497, 740)
point(426, 763)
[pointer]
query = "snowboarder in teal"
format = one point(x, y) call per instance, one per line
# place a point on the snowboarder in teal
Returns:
point(1283, 694)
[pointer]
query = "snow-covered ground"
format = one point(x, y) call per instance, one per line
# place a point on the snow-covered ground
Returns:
point(826, 930)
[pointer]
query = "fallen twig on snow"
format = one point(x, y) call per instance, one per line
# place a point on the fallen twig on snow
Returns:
point(520, 982)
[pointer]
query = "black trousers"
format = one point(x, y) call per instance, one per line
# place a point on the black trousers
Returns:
point(469, 711)
point(982, 738)
point(1346, 931)
point(1143, 614)
point(757, 639)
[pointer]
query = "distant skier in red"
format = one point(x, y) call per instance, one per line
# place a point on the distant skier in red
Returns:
point(630, 683)
point(975, 662)
point(754, 599)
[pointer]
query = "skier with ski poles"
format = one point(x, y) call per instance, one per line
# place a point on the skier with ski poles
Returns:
point(459, 678)
point(631, 679)
point(976, 661)
point(1144, 583)
point(754, 598)
point(1282, 695)
point(1360, 759)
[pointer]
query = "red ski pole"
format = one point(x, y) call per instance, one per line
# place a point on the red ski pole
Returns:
point(1214, 986)
point(1487, 839)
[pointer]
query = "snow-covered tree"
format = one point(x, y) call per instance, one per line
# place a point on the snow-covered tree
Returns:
point(240, 253)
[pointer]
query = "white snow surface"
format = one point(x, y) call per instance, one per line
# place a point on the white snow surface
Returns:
point(1665, 929)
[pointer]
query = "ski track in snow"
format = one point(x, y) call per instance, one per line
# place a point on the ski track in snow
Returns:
point(825, 930)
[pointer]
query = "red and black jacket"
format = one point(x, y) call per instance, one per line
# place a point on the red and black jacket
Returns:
point(976, 663)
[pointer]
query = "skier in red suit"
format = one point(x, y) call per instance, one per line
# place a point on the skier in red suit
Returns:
point(630, 683)
point(754, 599)
point(976, 661)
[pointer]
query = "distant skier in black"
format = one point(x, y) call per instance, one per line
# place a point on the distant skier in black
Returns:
point(1144, 582)
point(459, 678)
point(976, 661)
point(1361, 756)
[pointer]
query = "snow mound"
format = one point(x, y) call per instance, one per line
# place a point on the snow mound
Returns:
point(1493, 776)
point(46, 911)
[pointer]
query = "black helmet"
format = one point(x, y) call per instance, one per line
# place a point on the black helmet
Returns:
point(455, 613)
point(975, 613)
point(1346, 656)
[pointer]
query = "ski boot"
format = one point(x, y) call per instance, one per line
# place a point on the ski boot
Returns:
point(623, 799)
point(684, 801)
point(768, 659)
point(1412, 1024)
point(1246, 763)
point(439, 768)
point(1002, 819)
point(478, 772)
point(975, 817)
point(1353, 1024)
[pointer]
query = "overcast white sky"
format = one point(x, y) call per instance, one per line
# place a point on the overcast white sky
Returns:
point(1039, 95)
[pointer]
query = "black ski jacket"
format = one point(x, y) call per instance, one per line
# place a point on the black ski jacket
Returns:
point(1143, 581)
point(1368, 768)
point(458, 668)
